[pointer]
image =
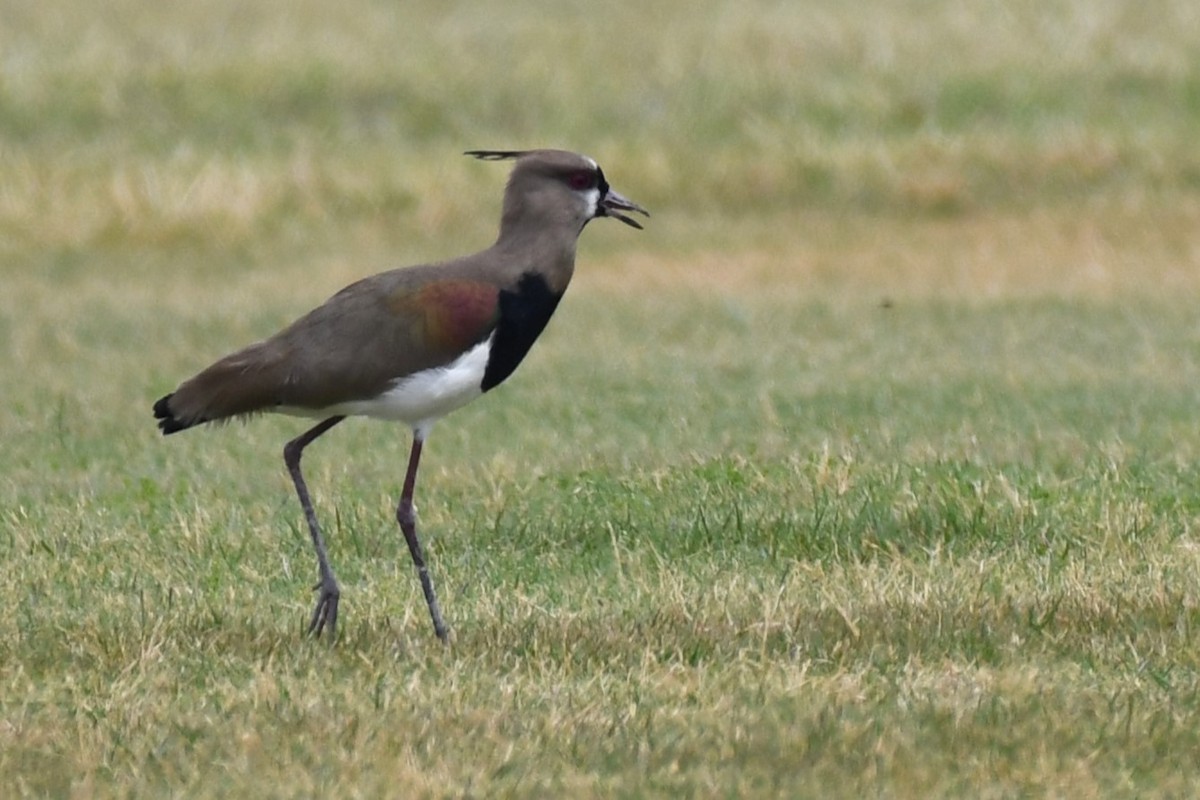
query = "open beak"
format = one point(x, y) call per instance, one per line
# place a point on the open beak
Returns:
point(613, 204)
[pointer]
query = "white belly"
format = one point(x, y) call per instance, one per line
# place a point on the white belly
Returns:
point(419, 399)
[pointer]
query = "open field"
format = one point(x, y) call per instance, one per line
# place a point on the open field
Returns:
point(870, 468)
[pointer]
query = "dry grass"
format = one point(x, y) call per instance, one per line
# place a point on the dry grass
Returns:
point(868, 469)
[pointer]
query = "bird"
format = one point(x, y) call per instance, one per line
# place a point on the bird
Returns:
point(413, 344)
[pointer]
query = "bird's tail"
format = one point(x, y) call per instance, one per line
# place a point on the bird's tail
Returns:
point(243, 383)
point(167, 421)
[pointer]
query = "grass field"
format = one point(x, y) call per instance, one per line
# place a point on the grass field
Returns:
point(869, 469)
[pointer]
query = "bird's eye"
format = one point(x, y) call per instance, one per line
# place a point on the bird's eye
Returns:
point(581, 180)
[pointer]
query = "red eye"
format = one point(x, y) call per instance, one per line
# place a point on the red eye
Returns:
point(580, 180)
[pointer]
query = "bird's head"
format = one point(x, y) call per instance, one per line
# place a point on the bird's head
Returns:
point(549, 187)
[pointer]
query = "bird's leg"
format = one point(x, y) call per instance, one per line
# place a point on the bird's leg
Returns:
point(407, 518)
point(325, 614)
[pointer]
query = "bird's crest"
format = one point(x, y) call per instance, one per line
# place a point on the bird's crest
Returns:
point(495, 155)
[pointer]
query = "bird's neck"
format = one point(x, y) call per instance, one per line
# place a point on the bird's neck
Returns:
point(549, 250)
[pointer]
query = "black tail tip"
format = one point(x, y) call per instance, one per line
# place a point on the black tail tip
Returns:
point(167, 422)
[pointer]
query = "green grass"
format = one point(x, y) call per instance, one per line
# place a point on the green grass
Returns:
point(868, 469)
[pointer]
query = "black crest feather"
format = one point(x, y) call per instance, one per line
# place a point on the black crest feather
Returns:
point(495, 155)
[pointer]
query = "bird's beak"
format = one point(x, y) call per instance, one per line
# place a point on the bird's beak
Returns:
point(613, 204)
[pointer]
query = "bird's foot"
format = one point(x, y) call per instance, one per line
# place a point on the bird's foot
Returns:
point(325, 614)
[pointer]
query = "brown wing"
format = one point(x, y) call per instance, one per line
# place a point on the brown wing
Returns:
point(351, 348)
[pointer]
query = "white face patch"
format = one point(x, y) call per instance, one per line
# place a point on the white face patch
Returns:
point(592, 198)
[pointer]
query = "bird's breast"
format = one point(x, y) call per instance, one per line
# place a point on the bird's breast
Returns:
point(524, 312)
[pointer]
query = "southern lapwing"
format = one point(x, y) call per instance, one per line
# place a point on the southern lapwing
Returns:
point(413, 344)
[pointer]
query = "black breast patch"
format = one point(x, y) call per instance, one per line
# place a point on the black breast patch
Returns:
point(524, 312)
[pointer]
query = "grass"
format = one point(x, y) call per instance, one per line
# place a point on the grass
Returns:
point(868, 468)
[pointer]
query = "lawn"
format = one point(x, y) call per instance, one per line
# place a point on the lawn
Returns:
point(869, 468)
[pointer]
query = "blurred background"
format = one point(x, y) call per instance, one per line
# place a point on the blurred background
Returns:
point(137, 126)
